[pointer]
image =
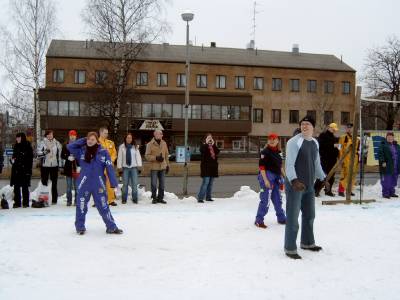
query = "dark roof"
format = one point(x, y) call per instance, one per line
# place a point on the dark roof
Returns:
point(206, 55)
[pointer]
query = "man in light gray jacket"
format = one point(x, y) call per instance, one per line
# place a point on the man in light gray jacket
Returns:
point(302, 168)
point(49, 151)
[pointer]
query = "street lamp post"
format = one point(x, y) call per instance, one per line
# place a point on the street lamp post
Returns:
point(187, 17)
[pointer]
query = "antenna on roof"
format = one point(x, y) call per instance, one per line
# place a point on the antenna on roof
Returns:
point(254, 25)
point(341, 58)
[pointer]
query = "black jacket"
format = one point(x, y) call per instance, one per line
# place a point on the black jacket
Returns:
point(69, 166)
point(21, 170)
point(270, 161)
point(327, 150)
point(208, 165)
point(1, 158)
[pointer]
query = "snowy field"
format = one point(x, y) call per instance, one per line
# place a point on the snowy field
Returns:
point(186, 250)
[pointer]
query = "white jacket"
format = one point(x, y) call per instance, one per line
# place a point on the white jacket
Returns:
point(136, 158)
point(50, 153)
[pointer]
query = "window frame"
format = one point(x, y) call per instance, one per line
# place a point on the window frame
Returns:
point(255, 80)
point(274, 84)
point(296, 113)
point(56, 75)
point(78, 72)
point(139, 79)
point(199, 81)
point(273, 116)
point(255, 116)
point(160, 82)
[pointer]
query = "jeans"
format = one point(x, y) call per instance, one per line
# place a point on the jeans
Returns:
point(206, 188)
point(160, 175)
point(274, 180)
point(71, 183)
point(130, 177)
point(303, 201)
point(53, 173)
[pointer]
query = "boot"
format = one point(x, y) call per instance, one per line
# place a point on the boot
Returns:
point(341, 194)
point(293, 256)
point(113, 203)
point(123, 201)
point(154, 201)
point(81, 232)
point(114, 231)
point(261, 225)
point(162, 201)
point(313, 248)
point(329, 193)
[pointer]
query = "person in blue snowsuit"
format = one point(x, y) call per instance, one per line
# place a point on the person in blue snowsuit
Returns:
point(93, 160)
point(270, 179)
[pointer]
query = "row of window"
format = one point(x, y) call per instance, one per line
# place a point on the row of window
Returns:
point(148, 110)
point(294, 116)
point(142, 79)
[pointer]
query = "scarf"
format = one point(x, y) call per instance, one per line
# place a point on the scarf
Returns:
point(91, 152)
point(273, 149)
point(128, 154)
point(210, 147)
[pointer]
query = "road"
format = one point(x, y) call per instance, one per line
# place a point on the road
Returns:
point(224, 186)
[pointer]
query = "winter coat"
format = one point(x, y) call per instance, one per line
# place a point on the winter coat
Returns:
point(136, 158)
point(69, 166)
point(346, 141)
point(385, 156)
point(110, 147)
point(270, 160)
point(93, 171)
point(1, 158)
point(327, 150)
point(52, 158)
point(22, 161)
point(208, 165)
point(153, 149)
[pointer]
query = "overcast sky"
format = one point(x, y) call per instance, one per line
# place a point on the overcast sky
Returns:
point(339, 27)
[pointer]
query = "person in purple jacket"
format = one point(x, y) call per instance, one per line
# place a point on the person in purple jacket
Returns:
point(389, 165)
point(93, 160)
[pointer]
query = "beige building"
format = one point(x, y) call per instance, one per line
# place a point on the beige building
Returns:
point(240, 95)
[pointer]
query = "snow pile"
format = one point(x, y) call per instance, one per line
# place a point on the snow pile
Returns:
point(245, 192)
point(8, 193)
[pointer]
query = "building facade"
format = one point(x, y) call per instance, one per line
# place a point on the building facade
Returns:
point(239, 95)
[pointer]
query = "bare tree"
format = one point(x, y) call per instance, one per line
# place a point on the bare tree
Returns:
point(382, 77)
point(32, 24)
point(322, 105)
point(124, 28)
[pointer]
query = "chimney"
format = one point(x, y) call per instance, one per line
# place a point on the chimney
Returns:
point(295, 49)
point(213, 45)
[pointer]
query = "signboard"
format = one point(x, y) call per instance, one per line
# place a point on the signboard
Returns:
point(375, 141)
point(151, 125)
point(180, 154)
point(8, 151)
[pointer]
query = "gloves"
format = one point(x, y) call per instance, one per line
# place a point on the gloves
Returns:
point(297, 185)
point(167, 170)
point(159, 158)
point(71, 158)
point(47, 151)
point(139, 171)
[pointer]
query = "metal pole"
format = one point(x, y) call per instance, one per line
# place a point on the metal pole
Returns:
point(187, 69)
point(361, 155)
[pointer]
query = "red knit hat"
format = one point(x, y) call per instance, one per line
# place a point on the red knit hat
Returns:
point(72, 132)
point(273, 136)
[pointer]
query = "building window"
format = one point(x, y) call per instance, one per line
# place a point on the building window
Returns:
point(346, 89)
point(313, 114)
point(181, 80)
point(234, 112)
point(295, 85)
point(219, 144)
point(258, 83)
point(220, 82)
point(43, 108)
point(189, 111)
point(276, 84)
point(166, 111)
point(216, 112)
point(196, 111)
point(293, 116)
point(328, 117)
point(52, 108)
point(328, 87)
point(244, 112)
point(201, 81)
point(258, 115)
point(147, 110)
point(137, 110)
point(206, 112)
point(177, 111)
point(73, 109)
point(239, 82)
point(95, 109)
point(80, 76)
point(344, 118)
point(224, 112)
point(311, 86)
point(142, 78)
point(276, 116)
point(157, 109)
point(162, 79)
point(58, 75)
point(237, 145)
point(83, 109)
point(100, 77)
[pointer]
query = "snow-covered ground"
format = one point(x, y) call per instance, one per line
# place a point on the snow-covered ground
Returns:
point(186, 250)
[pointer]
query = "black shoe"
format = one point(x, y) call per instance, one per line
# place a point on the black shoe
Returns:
point(330, 194)
point(16, 205)
point(200, 201)
point(69, 203)
point(53, 202)
point(341, 194)
point(386, 197)
point(113, 203)
point(394, 196)
point(123, 202)
point(293, 256)
point(282, 222)
point(81, 232)
point(162, 201)
point(114, 231)
point(353, 194)
point(94, 205)
point(317, 194)
point(209, 200)
point(313, 248)
point(154, 201)
point(135, 201)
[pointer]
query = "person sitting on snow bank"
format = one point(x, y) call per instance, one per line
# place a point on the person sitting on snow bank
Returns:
point(389, 165)
point(302, 168)
point(94, 161)
point(269, 177)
